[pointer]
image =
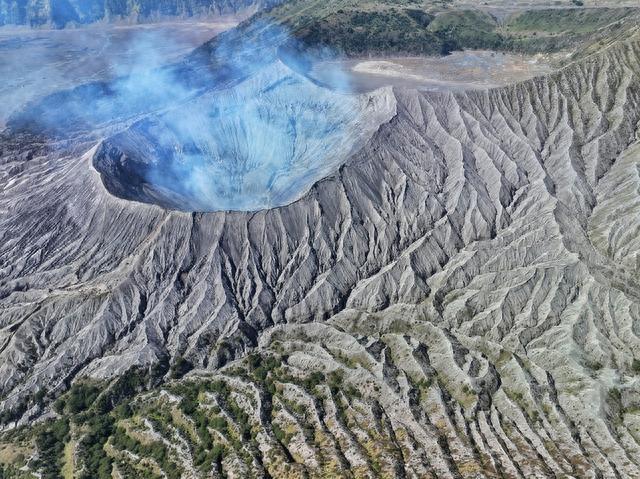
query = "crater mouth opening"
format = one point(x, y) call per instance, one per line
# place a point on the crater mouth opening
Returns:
point(258, 145)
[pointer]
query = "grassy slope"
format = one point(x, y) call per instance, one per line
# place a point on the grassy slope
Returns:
point(366, 27)
point(554, 30)
point(571, 20)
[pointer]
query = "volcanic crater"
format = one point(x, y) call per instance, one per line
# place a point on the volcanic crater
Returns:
point(260, 144)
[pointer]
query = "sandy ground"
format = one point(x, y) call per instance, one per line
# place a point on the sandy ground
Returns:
point(470, 69)
point(34, 63)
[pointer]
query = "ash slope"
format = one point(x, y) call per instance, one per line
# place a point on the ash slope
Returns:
point(471, 224)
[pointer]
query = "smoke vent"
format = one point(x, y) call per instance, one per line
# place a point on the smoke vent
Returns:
point(259, 145)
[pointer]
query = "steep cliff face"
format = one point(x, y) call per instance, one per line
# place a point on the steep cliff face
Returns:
point(471, 272)
point(60, 13)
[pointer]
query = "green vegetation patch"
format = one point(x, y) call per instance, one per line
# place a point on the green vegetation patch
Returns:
point(571, 20)
point(88, 414)
point(384, 32)
point(468, 29)
point(364, 27)
point(50, 442)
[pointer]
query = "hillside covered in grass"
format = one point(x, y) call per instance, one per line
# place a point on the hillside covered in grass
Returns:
point(364, 28)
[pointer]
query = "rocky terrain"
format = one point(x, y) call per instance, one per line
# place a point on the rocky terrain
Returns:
point(458, 297)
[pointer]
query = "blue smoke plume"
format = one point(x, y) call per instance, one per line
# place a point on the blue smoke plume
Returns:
point(237, 126)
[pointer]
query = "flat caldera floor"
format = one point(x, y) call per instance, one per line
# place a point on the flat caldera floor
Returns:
point(464, 70)
point(36, 63)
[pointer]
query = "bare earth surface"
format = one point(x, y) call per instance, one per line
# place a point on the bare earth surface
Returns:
point(35, 63)
point(471, 69)
point(458, 297)
point(467, 283)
